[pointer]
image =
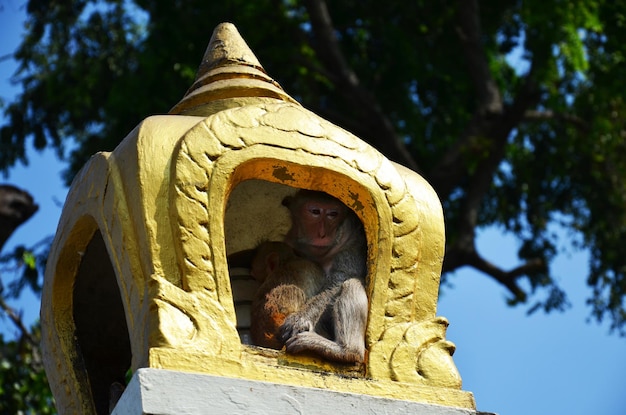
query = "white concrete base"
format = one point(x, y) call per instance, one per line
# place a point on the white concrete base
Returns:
point(166, 392)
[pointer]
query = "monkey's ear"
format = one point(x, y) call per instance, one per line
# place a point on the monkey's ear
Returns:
point(272, 261)
point(287, 201)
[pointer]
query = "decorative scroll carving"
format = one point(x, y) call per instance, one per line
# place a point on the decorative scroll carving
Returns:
point(416, 353)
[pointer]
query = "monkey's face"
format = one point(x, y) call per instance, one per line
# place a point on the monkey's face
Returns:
point(317, 223)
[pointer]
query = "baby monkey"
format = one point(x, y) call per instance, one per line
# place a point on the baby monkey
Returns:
point(287, 282)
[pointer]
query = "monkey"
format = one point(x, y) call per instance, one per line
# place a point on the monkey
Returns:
point(332, 323)
point(287, 281)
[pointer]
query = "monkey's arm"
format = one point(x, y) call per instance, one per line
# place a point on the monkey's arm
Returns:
point(347, 264)
point(306, 319)
point(350, 263)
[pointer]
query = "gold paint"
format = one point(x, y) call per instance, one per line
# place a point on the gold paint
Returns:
point(181, 191)
point(229, 76)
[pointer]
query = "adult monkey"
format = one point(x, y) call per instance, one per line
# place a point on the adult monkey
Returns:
point(332, 323)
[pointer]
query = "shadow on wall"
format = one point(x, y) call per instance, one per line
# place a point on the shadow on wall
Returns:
point(101, 331)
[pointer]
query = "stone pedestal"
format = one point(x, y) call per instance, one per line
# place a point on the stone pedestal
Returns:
point(167, 392)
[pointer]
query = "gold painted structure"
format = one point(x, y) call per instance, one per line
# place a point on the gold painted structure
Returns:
point(138, 273)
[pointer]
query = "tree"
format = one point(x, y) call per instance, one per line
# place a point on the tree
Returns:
point(513, 110)
point(23, 382)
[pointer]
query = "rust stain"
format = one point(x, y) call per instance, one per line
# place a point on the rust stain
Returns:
point(356, 204)
point(282, 174)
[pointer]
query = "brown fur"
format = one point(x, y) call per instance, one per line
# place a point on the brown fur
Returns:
point(287, 281)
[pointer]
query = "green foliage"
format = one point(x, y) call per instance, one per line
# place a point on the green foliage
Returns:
point(26, 266)
point(23, 383)
point(515, 115)
point(91, 70)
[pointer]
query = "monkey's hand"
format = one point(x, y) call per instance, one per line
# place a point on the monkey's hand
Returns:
point(305, 319)
point(294, 324)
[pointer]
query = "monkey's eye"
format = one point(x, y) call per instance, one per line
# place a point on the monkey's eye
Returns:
point(315, 211)
point(332, 214)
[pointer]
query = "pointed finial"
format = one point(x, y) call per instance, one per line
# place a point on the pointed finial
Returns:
point(227, 45)
point(230, 75)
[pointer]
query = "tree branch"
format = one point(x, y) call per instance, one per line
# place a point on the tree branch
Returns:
point(508, 278)
point(7, 57)
point(324, 31)
point(453, 165)
point(498, 132)
point(470, 34)
point(549, 115)
point(459, 255)
point(492, 122)
point(484, 139)
point(17, 321)
point(380, 131)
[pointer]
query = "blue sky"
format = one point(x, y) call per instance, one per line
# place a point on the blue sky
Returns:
point(514, 364)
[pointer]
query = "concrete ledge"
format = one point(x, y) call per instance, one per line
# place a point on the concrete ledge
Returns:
point(166, 392)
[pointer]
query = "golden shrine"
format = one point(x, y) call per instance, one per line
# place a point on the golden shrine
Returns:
point(138, 274)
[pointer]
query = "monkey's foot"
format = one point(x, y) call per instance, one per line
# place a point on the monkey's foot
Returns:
point(293, 326)
point(310, 341)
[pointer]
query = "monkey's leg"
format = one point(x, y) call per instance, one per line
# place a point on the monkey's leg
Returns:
point(306, 319)
point(309, 341)
point(350, 318)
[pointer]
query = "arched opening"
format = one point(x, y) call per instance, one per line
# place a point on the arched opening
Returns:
point(101, 332)
point(254, 214)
